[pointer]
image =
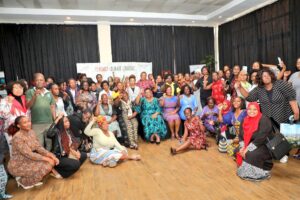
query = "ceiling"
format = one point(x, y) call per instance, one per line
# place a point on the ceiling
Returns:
point(168, 12)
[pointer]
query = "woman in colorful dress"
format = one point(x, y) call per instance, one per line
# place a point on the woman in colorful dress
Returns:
point(30, 162)
point(170, 106)
point(194, 134)
point(12, 106)
point(106, 150)
point(187, 100)
point(254, 159)
point(129, 116)
point(143, 83)
point(153, 123)
point(210, 115)
point(105, 109)
point(218, 92)
point(86, 99)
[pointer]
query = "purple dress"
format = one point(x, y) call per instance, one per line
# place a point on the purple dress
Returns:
point(212, 115)
point(169, 106)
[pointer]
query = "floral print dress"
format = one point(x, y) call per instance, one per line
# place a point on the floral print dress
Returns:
point(196, 132)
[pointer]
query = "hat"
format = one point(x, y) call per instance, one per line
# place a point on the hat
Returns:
point(115, 95)
point(101, 119)
point(223, 145)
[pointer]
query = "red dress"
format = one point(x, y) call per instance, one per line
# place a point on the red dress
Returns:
point(196, 132)
point(218, 91)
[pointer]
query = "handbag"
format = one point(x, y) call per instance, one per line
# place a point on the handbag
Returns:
point(278, 145)
point(291, 132)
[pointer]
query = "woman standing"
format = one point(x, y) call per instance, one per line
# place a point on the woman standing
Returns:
point(254, 159)
point(170, 106)
point(129, 116)
point(154, 125)
point(105, 90)
point(13, 105)
point(59, 103)
point(86, 99)
point(218, 92)
point(143, 83)
point(106, 150)
point(65, 147)
point(187, 100)
point(194, 134)
point(30, 162)
point(236, 70)
point(277, 98)
point(133, 90)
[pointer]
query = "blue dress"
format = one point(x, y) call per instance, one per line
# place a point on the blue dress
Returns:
point(150, 125)
point(230, 120)
point(187, 102)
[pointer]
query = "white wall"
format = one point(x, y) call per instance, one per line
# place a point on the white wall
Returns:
point(104, 42)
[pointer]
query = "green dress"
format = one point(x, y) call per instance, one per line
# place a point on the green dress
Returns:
point(150, 125)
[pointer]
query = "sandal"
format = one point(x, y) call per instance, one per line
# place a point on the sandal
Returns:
point(173, 151)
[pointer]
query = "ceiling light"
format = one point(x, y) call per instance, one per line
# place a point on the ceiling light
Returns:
point(131, 19)
point(220, 17)
point(68, 18)
point(193, 21)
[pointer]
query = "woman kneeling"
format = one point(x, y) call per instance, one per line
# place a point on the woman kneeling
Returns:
point(29, 162)
point(254, 160)
point(106, 150)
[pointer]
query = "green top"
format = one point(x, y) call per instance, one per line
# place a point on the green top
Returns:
point(40, 110)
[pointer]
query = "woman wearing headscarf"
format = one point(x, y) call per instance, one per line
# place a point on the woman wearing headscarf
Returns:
point(106, 150)
point(254, 159)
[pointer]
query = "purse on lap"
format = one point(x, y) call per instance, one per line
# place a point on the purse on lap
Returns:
point(278, 145)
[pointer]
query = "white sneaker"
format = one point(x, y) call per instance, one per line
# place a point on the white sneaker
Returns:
point(284, 159)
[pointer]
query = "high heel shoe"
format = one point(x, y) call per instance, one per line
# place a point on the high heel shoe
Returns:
point(23, 186)
point(157, 142)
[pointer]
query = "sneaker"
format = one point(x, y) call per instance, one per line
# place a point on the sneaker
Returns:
point(6, 196)
point(284, 159)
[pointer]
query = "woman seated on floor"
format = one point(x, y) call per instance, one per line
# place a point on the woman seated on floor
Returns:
point(29, 162)
point(106, 150)
point(65, 147)
point(105, 109)
point(254, 159)
point(194, 134)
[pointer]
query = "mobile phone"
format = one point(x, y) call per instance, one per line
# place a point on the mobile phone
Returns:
point(279, 60)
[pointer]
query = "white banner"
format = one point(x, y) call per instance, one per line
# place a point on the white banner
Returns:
point(119, 69)
point(194, 68)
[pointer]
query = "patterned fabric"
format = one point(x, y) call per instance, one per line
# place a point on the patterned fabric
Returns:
point(113, 126)
point(86, 100)
point(103, 156)
point(144, 85)
point(232, 89)
point(196, 133)
point(152, 126)
point(187, 102)
point(211, 115)
point(131, 124)
point(249, 171)
point(3, 179)
point(170, 105)
point(218, 92)
point(27, 159)
point(278, 107)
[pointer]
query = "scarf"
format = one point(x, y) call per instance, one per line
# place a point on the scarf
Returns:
point(250, 125)
point(228, 107)
point(19, 103)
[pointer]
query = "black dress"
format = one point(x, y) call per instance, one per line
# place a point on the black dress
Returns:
point(258, 161)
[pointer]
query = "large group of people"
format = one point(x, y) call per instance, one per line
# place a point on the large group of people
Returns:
point(53, 126)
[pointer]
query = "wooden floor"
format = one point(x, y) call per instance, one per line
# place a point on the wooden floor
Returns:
point(191, 175)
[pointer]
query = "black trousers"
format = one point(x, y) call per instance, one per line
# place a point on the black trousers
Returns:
point(68, 166)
